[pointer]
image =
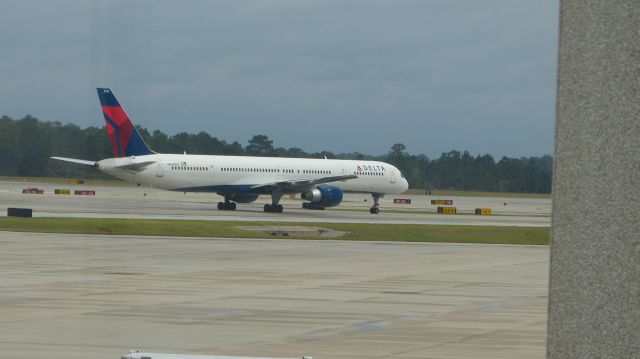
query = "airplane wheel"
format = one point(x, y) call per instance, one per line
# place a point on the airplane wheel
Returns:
point(220, 206)
point(232, 206)
point(273, 208)
point(374, 210)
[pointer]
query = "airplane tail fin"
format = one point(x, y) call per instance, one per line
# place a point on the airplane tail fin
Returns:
point(123, 135)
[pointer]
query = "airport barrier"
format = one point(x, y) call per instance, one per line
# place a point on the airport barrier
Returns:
point(402, 200)
point(483, 211)
point(447, 210)
point(32, 190)
point(446, 202)
point(76, 181)
point(62, 191)
point(19, 212)
point(84, 192)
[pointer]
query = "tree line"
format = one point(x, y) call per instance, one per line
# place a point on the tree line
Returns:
point(27, 143)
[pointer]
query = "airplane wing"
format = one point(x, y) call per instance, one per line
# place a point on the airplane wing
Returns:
point(73, 160)
point(300, 185)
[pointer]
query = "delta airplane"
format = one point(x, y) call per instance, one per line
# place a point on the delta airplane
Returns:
point(239, 179)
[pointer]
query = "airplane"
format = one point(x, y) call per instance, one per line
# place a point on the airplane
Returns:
point(239, 179)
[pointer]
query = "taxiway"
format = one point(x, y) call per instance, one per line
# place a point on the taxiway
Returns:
point(139, 202)
point(91, 296)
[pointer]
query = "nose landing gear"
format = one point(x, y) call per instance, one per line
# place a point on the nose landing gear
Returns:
point(376, 203)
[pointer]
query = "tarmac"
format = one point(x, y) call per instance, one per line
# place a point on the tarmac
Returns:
point(91, 296)
point(148, 203)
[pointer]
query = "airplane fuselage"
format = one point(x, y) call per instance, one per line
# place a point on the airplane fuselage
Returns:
point(239, 174)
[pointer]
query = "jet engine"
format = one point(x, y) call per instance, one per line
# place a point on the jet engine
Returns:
point(324, 196)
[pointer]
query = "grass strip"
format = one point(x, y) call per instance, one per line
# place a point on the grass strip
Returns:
point(229, 229)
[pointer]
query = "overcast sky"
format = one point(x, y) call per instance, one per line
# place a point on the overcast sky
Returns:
point(342, 76)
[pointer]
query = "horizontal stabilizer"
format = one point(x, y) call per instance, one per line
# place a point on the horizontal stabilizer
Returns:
point(82, 162)
point(136, 167)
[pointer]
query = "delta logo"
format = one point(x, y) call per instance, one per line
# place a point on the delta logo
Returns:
point(372, 168)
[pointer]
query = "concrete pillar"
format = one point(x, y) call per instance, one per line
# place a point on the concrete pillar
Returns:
point(594, 296)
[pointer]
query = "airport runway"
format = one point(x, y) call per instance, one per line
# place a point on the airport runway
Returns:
point(89, 297)
point(140, 202)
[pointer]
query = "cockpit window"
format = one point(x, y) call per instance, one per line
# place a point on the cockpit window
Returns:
point(401, 175)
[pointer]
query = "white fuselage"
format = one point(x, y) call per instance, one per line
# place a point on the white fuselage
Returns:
point(206, 173)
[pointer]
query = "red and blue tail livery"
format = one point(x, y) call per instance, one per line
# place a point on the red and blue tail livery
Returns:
point(125, 139)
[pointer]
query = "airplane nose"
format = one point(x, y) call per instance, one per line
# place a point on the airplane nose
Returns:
point(405, 184)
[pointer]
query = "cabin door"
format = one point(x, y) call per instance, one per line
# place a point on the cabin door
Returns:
point(159, 170)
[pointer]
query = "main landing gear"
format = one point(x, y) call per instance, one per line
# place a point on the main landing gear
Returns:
point(376, 203)
point(227, 205)
point(275, 206)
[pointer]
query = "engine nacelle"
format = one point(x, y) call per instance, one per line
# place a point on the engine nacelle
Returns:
point(325, 196)
point(243, 198)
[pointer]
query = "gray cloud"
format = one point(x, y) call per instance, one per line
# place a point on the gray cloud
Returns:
point(336, 75)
